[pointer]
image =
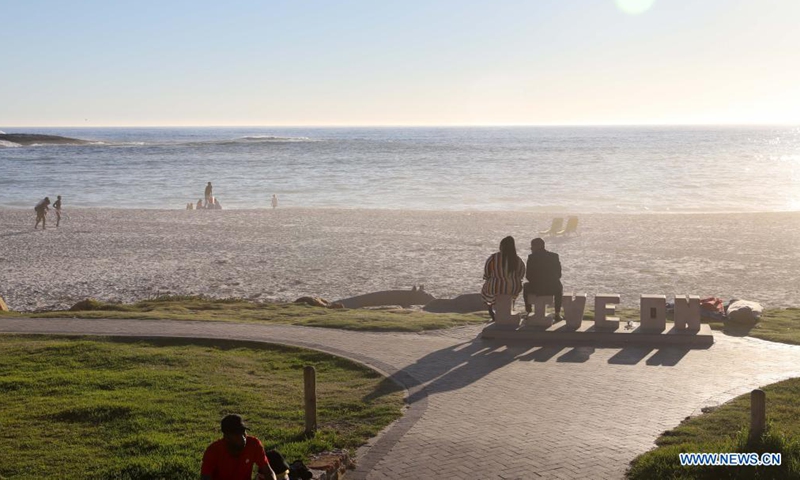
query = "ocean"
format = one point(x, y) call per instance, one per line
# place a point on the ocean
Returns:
point(545, 169)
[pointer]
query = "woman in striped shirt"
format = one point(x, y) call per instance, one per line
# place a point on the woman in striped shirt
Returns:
point(503, 273)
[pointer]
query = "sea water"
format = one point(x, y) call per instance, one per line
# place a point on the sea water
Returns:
point(553, 169)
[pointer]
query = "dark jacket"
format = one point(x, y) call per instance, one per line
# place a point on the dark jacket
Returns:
point(544, 272)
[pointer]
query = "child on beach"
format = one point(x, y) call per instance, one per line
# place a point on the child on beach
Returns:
point(41, 212)
point(274, 201)
point(57, 207)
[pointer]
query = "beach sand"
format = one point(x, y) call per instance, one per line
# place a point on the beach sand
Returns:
point(279, 255)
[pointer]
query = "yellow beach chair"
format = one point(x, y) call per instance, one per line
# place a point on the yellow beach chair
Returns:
point(554, 227)
point(572, 227)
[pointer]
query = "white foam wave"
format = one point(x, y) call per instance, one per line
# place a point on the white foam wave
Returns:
point(272, 138)
point(5, 143)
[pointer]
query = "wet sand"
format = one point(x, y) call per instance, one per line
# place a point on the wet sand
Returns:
point(282, 254)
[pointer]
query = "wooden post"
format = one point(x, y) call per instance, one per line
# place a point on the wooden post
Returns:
point(758, 413)
point(310, 382)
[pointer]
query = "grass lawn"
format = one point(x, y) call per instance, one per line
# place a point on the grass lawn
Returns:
point(132, 409)
point(238, 310)
point(724, 429)
point(777, 325)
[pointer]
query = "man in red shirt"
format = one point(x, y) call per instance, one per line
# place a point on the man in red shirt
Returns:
point(232, 457)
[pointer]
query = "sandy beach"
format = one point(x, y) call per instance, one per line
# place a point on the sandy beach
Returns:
point(279, 255)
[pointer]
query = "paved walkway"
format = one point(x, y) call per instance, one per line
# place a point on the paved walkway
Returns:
point(479, 409)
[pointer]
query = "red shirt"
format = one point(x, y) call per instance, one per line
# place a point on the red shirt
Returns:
point(219, 464)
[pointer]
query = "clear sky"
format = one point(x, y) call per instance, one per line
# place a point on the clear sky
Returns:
point(373, 62)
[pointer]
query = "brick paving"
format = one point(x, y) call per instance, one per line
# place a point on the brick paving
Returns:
point(481, 409)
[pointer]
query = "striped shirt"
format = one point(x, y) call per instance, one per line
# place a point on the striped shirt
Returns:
point(500, 282)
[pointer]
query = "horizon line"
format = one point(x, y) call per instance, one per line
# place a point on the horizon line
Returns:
point(508, 125)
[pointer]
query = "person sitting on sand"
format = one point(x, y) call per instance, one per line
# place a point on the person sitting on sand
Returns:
point(41, 209)
point(217, 206)
point(199, 205)
point(503, 273)
point(544, 276)
point(232, 457)
point(57, 208)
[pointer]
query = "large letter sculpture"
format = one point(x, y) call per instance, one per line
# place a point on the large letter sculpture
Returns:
point(540, 318)
point(653, 313)
point(574, 306)
point(605, 305)
point(687, 312)
point(503, 312)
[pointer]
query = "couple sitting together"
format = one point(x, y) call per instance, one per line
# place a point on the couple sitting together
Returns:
point(504, 271)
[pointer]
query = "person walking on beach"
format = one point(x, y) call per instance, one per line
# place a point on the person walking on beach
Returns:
point(57, 208)
point(208, 193)
point(274, 201)
point(233, 456)
point(544, 276)
point(41, 212)
point(503, 273)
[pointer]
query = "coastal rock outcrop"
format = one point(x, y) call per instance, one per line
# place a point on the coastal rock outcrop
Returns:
point(470, 302)
point(404, 298)
point(38, 139)
point(318, 302)
point(84, 305)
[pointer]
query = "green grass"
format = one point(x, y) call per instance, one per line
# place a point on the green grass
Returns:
point(239, 310)
point(131, 409)
point(776, 325)
point(725, 429)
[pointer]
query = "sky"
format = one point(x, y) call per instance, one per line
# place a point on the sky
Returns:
point(428, 62)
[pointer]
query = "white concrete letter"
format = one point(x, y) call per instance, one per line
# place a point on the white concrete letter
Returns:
point(539, 303)
point(653, 312)
point(687, 312)
point(503, 313)
point(604, 305)
point(574, 306)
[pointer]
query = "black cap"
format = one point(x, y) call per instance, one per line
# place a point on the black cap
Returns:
point(233, 424)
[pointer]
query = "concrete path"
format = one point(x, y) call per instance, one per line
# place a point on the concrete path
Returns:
point(480, 409)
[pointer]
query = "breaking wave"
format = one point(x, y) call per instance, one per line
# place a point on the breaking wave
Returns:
point(248, 140)
point(271, 138)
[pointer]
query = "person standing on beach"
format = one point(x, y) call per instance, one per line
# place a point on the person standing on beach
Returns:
point(41, 212)
point(208, 193)
point(57, 208)
point(274, 201)
point(544, 276)
point(503, 273)
point(233, 456)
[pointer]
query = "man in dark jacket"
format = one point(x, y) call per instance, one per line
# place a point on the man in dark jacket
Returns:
point(543, 275)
